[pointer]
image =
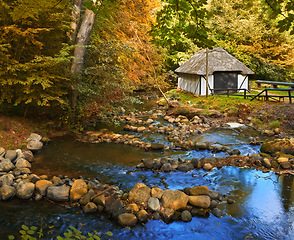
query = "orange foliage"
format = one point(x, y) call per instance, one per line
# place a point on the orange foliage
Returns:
point(132, 25)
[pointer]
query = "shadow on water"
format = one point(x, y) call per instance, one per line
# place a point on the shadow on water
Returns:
point(264, 207)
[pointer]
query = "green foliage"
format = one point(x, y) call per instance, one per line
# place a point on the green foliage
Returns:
point(34, 57)
point(181, 29)
point(283, 11)
point(243, 29)
point(30, 233)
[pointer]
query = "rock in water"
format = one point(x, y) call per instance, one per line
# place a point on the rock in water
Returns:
point(58, 193)
point(140, 194)
point(277, 145)
point(42, 185)
point(185, 167)
point(142, 215)
point(78, 189)
point(186, 216)
point(35, 137)
point(34, 146)
point(168, 214)
point(25, 190)
point(127, 219)
point(174, 199)
point(217, 212)
point(113, 206)
point(199, 190)
point(90, 208)
point(201, 201)
point(6, 192)
point(153, 204)
point(156, 192)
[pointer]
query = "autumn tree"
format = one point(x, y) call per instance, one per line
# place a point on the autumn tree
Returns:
point(121, 57)
point(34, 54)
point(243, 28)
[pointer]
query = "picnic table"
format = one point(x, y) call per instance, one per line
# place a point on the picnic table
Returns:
point(266, 91)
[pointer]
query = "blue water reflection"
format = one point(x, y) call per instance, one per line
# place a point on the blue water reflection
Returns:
point(264, 207)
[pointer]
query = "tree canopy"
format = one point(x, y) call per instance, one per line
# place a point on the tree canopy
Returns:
point(133, 44)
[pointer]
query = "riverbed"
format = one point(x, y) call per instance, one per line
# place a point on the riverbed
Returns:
point(263, 208)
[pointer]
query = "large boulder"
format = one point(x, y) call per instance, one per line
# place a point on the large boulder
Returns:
point(34, 146)
point(6, 179)
point(6, 192)
point(277, 145)
point(6, 165)
point(35, 137)
point(25, 190)
point(127, 219)
point(174, 199)
point(22, 163)
point(78, 189)
point(201, 201)
point(140, 194)
point(11, 155)
point(58, 193)
point(42, 185)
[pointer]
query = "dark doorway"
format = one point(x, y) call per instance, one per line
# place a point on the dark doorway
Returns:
point(225, 80)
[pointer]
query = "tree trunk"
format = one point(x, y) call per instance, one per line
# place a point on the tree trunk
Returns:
point(76, 13)
point(80, 50)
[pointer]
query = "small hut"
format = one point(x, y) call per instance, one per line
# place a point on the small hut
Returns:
point(224, 72)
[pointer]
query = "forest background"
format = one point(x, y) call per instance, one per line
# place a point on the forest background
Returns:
point(78, 60)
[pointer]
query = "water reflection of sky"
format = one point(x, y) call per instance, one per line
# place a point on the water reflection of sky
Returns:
point(263, 209)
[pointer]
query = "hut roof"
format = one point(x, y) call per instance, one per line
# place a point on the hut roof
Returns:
point(218, 60)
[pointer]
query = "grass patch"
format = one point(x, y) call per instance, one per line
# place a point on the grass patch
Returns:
point(274, 124)
point(221, 103)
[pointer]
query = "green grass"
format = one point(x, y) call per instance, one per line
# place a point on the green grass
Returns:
point(221, 103)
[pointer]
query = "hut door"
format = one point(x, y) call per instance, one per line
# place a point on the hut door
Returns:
point(225, 80)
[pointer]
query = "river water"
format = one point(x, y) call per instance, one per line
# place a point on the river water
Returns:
point(263, 208)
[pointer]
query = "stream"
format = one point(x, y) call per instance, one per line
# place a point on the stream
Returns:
point(263, 208)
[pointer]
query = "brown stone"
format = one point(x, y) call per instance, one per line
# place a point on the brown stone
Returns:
point(174, 199)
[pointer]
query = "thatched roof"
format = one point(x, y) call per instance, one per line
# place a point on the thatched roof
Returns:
point(218, 60)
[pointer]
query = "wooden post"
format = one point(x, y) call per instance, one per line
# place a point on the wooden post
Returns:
point(206, 72)
point(266, 95)
point(290, 97)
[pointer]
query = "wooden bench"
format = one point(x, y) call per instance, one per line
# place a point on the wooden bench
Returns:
point(274, 84)
point(267, 96)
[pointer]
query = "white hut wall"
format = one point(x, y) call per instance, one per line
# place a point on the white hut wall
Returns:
point(189, 83)
point(243, 81)
point(203, 84)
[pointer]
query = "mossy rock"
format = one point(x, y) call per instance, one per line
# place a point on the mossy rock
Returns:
point(278, 145)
